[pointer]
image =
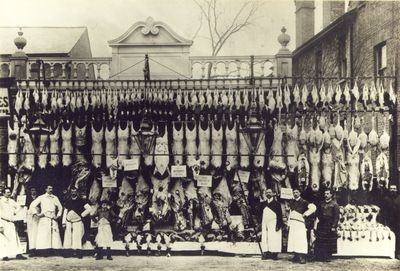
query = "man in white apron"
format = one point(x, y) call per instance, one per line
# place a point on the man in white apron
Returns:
point(75, 209)
point(297, 239)
point(32, 221)
point(48, 234)
point(271, 233)
point(9, 238)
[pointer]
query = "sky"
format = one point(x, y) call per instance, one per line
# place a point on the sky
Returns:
point(108, 19)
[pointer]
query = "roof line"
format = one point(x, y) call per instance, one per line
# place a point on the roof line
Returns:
point(43, 27)
point(324, 31)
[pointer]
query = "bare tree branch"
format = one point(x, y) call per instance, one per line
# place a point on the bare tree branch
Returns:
point(199, 28)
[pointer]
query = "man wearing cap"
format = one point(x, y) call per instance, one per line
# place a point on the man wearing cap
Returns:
point(75, 209)
point(300, 209)
point(9, 239)
point(271, 233)
point(326, 234)
point(48, 234)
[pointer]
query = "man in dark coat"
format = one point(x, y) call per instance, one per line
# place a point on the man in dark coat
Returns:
point(326, 234)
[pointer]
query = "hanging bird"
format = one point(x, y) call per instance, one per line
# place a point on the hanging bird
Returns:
point(392, 94)
point(365, 95)
point(314, 95)
point(356, 95)
point(338, 93)
point(347, 96)
point(296, 95)
point(329, 94)
point(271, 100)
point(322, 94)
point(304, 95)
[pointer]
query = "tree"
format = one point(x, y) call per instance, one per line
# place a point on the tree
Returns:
point(221, 28)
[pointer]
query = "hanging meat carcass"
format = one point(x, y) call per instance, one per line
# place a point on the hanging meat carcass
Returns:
point(177, 143)
point(94, 191)
point(347, 96)
point(271, 100)
point(276, 163)
point(204, 207)
point(12, 145)
point(142, 199)
point(259, 158)
point(66, 147)
point(97, 144)
point(296, 95)
point(373, 137)
point(287, 100)
point(356, 95)
point(110, 137)
point(80, 140)
point(382, 170)
point(177, 202)
point(327, 161)
point(315, 160)
point(191, 146)
point(27, 102)
point(304, 96)
point(19, 101)
point(373, 92)
point(392, 94)
point(261, 100)
point(43, 151)
point(363, 137)
point(314, 95)
point(161, 153)
point(338, 93)
point(353, 158)
point(366, 172)
point(217, 133)
point(384, 139)
point(123, 146)
point(191, 203)
point(292, 149)
point(204, 149)
point(221, 202)
point(231, 144)
point(381, 96)
point(340, 169)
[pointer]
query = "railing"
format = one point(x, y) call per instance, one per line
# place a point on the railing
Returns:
point(96, 68)
point(99, 68)
point(232, 66)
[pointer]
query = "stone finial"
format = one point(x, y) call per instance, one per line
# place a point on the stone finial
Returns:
point(283, 38)
point(20, 41)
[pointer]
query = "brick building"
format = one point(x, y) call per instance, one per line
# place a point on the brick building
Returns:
point(361, 42)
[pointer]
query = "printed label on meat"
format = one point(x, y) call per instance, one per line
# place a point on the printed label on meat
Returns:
point(21, 200)
point(204, 180)
point(131, 164)
point(4, 104)
point(242, 176)
point(286, 193)
point(109, 182)
point(178, 171)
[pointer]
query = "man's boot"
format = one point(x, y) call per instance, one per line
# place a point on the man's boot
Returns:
point(302, 258)
point(109, 253)
point(99, 255)
point(296, 258)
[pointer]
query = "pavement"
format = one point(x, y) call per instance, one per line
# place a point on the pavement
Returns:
point(177, 263)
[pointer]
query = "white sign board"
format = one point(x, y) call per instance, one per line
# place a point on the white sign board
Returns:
point(204, 180)
point(244, 176)
point(131, 164)
point(286, 193)
point(178, 172)
point(21, 200)
point(4, 103)
point(109, 182)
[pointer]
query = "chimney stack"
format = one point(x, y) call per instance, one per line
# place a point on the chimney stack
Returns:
point(331, 10)
point(304, 21)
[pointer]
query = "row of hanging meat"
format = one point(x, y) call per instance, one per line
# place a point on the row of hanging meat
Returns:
point(283, 98)
point(318, 150)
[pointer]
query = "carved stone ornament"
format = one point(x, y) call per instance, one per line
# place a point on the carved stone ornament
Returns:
point(150, 28)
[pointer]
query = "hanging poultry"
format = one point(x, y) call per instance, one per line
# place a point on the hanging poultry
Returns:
point(292, 149)
point(353, 158)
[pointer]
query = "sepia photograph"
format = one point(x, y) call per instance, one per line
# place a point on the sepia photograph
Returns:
point(199, 135)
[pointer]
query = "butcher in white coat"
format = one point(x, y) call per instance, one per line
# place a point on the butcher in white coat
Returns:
point(271, 231)
point(297, 239)
point(10, 246)
point(48, 234)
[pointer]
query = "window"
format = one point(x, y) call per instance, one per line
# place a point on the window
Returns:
point(342, 57)
point(380, 59)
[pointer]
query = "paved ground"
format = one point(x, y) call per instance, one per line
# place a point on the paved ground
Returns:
point(177, 263)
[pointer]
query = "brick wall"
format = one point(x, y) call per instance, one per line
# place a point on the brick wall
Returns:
point(374, 22)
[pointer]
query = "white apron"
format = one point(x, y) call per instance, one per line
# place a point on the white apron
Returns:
point(74, 231)
point(271, 240)
point(297, 238)
point(32, 228)
point(104, 236)
point(48, 234)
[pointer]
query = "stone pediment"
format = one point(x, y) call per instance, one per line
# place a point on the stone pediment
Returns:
point(149, 33)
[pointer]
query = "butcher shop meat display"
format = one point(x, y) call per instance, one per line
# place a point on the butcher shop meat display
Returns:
point(202, 177)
